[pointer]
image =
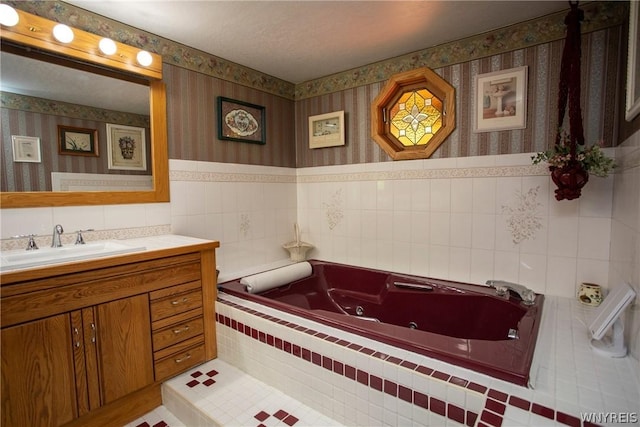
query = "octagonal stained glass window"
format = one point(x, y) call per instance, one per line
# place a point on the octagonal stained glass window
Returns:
point(413, 114)
point(416, 117)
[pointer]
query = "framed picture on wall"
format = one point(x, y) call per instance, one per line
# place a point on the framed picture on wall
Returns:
point(26, 149)
point(126, 147)
point(633, 76)
point(77, 141)
point(240, 121)
point(501, 100)
point(326, 130)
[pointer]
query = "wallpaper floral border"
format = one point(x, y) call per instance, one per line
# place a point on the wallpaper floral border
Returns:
point(598, 15)
point(58, 108)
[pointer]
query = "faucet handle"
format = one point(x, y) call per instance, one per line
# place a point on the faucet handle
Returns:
point(31, 244)
point(79, 238)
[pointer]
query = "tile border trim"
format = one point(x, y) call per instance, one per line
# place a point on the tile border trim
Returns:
point(496, 402)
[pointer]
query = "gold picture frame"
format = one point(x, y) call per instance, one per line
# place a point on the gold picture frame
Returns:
point(326, 130)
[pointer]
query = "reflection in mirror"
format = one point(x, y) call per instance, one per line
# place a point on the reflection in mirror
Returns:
point(35, 34)
point(65, 113)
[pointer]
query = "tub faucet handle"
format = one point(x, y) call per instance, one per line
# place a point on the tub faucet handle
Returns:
point(502, 288)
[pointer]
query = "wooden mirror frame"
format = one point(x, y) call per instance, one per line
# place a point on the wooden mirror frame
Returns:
point(37, 32)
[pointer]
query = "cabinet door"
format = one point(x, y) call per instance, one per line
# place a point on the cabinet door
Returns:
point(124, 351)
point(38, 385)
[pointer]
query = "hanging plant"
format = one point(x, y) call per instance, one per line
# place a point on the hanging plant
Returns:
point(570, 161)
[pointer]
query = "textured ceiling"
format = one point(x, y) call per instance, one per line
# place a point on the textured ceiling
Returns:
point(300, 40)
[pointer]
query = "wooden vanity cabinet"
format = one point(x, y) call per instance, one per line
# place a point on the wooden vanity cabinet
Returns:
point(89, 343)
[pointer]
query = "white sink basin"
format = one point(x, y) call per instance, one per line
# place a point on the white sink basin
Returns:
point(14, 260)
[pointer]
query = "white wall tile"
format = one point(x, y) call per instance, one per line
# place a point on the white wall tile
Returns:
point(440, 195)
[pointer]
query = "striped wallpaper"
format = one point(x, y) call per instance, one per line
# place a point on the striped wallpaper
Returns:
point(19, 176)
point(192, 121)
point(600, 100)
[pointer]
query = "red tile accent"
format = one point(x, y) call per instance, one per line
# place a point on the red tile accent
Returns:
point(296, 350)
point(471, 418)
point(394, 360)
point(355, 347)
point(350, 372)
point(405, 393)
point(495, 406)
point(569, 420)
point(144, 424)
point(408, 365)
point(420, 399)
point(375, 382)
point(441, 376)
point(212, 373)
point(160, 424)
point(477, 387)
point(424, 370)
point(248, 331)
point(254, 334)
point(343, 343)
point(278, 343)
point(286, 346)
point(491, 418)
point(366, 350)
point(498, 395)
point(437, 406)
point(362, 377)
point(234, 324)
point(290, 420)
point(455, 413)
point(209, 382)
point(196, 374)
point(519, 403)
point(321, 335)
point(281, 414)
point(543, 410)
point(327, 363)
point(338, 367)
point(261, 416)
point(306, 354)
point(316, 358)
point(240, 327)
point(331, 339)
point(193, 383)
point(270, 340)
point(458, 381)
point(391, 388)
point(380, 356)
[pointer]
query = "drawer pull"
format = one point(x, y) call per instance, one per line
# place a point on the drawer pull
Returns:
point(183, 300)
point(180, 330)
point(186, 357)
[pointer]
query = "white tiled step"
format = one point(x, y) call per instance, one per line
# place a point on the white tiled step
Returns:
point(218, 394)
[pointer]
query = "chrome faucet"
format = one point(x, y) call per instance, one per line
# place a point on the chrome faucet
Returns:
point(502, 288)
point(55, 240)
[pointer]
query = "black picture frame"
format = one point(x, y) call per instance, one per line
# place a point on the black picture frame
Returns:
point(241, 121)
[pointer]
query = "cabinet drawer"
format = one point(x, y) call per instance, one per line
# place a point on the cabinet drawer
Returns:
point(177, 332)
point(179, 362)
point(175, 304)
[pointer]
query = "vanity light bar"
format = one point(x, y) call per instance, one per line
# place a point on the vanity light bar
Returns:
point(37, 31)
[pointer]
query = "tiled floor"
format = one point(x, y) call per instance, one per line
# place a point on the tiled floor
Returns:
point(218, 394)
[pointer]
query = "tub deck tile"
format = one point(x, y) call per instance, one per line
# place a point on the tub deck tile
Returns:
point(223, 395)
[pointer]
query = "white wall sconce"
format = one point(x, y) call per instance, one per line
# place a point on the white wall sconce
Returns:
point(63, 33)
point(8, 16)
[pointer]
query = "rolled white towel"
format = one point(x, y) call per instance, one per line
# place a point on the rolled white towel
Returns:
point(273, 278)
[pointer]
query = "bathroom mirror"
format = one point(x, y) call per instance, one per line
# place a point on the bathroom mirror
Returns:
point(33, 34)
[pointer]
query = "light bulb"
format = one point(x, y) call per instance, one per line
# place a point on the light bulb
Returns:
point(144, 58)
point(63, 33)
point(107, 46)
point(8, 15)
